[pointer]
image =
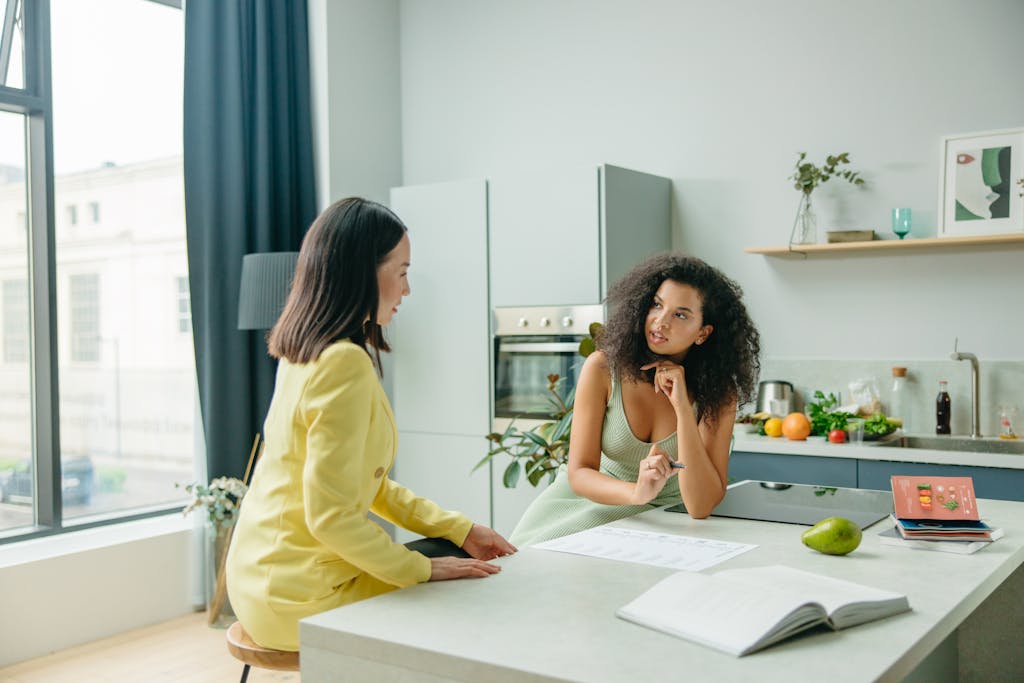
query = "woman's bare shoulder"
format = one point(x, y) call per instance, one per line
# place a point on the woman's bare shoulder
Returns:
point(599, 358)
point(595, 374)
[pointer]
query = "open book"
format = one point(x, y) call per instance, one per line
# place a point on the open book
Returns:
point(740, 611)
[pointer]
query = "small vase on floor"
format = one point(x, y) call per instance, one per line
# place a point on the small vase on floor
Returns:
point(218, 609)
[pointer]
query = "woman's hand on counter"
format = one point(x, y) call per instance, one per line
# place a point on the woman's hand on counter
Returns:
point(445, 568)
point(484, 543)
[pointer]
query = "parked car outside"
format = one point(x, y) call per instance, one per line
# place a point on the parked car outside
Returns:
point(77, 479)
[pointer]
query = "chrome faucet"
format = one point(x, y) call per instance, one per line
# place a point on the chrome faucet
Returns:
point(975, 393)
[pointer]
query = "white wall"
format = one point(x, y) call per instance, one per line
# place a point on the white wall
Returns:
point(58, 593)
point(720, 97)
point(355, 80)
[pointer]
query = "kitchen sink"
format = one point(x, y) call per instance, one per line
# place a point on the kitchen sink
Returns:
point(957, 443)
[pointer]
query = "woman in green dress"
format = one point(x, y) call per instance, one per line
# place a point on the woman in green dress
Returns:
point(655, 404)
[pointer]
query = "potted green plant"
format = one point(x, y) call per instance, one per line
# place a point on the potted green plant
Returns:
point(806, 177)
point(540, 451)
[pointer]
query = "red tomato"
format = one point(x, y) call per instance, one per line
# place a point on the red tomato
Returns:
point(837, 436)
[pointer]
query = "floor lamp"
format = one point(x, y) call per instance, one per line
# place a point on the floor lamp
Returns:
point(266, 281)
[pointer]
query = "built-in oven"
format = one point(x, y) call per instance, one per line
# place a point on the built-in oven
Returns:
point(530, 344)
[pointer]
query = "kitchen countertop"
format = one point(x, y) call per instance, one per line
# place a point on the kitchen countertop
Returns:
point(819, 447)
point(549, 617)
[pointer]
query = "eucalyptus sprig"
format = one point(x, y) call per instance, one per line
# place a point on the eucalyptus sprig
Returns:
point(221, 499)
point(808, 176)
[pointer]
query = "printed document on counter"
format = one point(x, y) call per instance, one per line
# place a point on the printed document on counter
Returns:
point(647, 547)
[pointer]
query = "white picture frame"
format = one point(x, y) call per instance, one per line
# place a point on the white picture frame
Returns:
point(980, 190)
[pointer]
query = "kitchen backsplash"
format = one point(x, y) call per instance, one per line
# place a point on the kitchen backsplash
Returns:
point(1002, 384)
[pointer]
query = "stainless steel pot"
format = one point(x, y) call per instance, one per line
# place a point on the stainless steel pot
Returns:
point(775, 397)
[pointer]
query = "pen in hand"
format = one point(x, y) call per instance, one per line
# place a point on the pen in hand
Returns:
point(677, 465)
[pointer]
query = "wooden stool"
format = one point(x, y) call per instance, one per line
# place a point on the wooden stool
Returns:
point(242, 648)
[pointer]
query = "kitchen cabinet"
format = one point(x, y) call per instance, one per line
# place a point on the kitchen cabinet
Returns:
point(793, 469)
point(441, 339)
point(553, 237)
point(439, 467)
point(562, 237)
point(1001, 483)
point(989, 482)
point(441, 348)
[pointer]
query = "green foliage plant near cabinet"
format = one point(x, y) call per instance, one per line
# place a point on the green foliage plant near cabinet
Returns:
point(540, 451)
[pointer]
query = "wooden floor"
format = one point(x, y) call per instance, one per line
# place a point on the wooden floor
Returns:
point(178, 651)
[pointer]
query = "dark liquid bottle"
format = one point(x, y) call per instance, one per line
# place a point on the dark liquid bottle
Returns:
point(942, 410)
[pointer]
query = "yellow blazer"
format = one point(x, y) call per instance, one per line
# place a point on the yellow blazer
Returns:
point(303, 543)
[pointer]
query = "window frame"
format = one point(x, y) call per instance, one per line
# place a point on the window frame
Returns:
point(35, 103)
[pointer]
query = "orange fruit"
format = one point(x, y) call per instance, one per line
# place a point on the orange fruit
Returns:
point(773, 427)
point(796, 427)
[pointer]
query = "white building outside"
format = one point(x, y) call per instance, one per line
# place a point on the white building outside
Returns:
point(127, 377)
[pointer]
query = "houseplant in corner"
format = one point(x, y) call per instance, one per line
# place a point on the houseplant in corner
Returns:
point(540, 451)
point(807, 176)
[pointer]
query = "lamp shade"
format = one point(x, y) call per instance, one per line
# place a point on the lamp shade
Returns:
point(266, 281)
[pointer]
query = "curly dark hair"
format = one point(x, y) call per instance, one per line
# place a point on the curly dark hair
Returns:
point(723, 368)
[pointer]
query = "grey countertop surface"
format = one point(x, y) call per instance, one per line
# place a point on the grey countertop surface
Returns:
point(820, 447)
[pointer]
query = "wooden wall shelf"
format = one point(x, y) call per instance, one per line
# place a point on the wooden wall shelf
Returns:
point(890, 246)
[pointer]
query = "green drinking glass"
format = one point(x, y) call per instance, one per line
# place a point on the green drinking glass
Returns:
point(901, 222)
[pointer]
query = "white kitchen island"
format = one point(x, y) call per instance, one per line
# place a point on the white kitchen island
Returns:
point(551, 617)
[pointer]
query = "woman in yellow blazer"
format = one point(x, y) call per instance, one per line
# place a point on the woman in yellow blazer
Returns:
point(303, 542)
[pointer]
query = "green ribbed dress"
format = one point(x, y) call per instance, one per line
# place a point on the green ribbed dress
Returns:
point(557, 511)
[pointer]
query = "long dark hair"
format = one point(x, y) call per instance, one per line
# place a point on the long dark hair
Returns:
point(723, 368)
point(334, 294)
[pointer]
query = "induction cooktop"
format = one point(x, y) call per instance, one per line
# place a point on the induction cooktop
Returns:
point(801, 503)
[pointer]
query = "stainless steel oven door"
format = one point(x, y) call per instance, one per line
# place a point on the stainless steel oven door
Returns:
point(521, 369)
point(530, 344)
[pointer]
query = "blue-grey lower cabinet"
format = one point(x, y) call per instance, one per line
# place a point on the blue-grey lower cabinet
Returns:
point(793, 469)
point(989, 482)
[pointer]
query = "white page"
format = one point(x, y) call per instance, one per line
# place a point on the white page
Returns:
point(647, 547)
point(829, 592)
point(729, 617)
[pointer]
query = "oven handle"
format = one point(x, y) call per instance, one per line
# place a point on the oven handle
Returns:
point(526, 347)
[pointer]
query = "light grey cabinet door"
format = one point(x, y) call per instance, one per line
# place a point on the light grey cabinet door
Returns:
point(545, 238)
point(441, 337)
point(510, 504)
point(793, 469)
point(439, 467)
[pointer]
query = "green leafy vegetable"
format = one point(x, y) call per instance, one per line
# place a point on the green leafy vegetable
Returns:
point(823, 419)
point(879, 425)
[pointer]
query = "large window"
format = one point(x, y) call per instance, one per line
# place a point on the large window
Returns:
point(85, 317)
point(97, 390)
point(15, 317)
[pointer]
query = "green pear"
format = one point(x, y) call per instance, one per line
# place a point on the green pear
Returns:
point(833, 536)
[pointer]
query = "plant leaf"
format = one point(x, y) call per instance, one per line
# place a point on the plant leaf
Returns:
point(535, 476)
point(483, 461)
point(511, 476)
point(539, 440)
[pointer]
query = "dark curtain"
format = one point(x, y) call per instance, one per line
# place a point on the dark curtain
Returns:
point(248, 188)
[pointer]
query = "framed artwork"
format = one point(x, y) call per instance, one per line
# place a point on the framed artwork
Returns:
point(982, 184)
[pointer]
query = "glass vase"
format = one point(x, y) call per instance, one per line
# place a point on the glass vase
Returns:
point(218, 608)
point(806, 228)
